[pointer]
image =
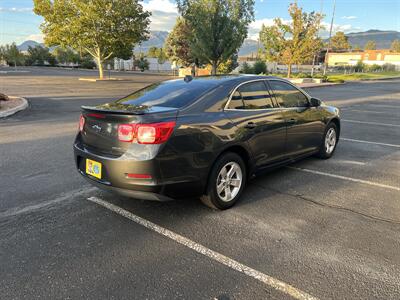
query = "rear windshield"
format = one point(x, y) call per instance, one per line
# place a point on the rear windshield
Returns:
point(167, 94)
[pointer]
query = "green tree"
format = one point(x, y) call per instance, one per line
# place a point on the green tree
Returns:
point(395, 47)
point(293, 43)
point(370, 45)
point(357, 47)
point(102, 28)
point(38, 55)
point(246, 68)
point(228, 66)
point(177, 47)
point(161, 57)
point(340, 42)
point(260, 67)
point(142, 63)
point(218, 27)
point(12, 55)
point(66, 55)
point(153, 52)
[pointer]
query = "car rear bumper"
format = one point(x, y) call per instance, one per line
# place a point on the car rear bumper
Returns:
point(114, 178)
point(137, 194)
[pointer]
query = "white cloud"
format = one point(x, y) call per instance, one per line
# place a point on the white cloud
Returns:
point(349, 17)
point(346, 28)
point(35, 37)
point(163, 14)
point(255, 27)
point(165, 6)
point(16, 9)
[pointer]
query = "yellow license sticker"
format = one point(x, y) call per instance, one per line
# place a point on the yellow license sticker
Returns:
point(93, 168)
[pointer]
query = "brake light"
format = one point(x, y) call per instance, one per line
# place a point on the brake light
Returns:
point(126, 132)
point(98, 116)
point(155, 133)
point(81, 123)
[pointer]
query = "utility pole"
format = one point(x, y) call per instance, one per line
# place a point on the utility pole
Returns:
point(330, 37)
point(319, 27)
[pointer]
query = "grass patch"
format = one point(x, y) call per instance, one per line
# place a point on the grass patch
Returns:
point(361, 76)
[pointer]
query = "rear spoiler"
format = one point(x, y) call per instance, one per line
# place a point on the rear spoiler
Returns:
point(130, 110)
point(113, 111)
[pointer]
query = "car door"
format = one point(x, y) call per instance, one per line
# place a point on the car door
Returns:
point(305, 126)
point(259, 121)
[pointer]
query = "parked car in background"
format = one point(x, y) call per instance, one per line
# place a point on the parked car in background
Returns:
point(201, 137)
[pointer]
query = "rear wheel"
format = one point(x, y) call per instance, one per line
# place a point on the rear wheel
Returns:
point(329, 141)
point(226, 182)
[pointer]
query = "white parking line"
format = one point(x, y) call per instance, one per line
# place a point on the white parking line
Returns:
point(368, 142)
point(347, 178)
point(351, 162)
point(222, 259)
point(368, 111)
point(385, 106)
point(371, 123)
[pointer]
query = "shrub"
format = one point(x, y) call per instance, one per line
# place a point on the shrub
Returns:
point(389, 67)
point(87, 63)
point(246, 69)
point(359, 67)
point(259, 67)
point(142, 64)
point(302, 75)
point(374, 68)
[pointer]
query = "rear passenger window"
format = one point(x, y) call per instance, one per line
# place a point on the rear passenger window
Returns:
point(253, 95)
point(287, 95)
point(236, 101)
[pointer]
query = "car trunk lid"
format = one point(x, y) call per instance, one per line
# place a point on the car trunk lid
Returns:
point(100, 130)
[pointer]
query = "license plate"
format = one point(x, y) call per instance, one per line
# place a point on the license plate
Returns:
point(93, 168)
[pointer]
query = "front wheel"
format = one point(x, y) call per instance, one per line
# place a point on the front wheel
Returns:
point(329, 141)
point(226, 182)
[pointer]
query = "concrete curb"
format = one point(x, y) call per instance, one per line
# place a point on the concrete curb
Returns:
point(376, 79)
point(321, 85)
point(16, 109)
point(98, 79)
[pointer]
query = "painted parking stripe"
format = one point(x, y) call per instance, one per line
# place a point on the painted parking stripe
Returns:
point(222, 259)
point(371, 123)
point(367, 111)
point(368, 142)
point(385, 106)
point(390, 187)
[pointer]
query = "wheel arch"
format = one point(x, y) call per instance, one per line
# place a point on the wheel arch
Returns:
point(335, 121)
point(239, 150)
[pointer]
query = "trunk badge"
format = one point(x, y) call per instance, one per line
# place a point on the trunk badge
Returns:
point(96, 128)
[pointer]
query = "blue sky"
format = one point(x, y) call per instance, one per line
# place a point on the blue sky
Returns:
point(18, 23)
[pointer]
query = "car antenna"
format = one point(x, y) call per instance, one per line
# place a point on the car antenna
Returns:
point(188, 78)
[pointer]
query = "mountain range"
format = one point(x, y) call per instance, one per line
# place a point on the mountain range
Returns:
point(382, 38)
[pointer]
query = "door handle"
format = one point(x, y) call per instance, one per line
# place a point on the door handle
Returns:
point(292, 121)
point(250, 125)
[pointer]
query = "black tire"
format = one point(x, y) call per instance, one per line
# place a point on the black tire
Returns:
point(211, 197)
point(323, 153)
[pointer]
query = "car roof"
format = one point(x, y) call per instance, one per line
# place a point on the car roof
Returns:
point(217, 80)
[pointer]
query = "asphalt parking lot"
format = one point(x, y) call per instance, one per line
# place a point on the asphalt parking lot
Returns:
point(324, 229)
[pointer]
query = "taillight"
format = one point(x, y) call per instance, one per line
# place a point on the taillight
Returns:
point(81, 123)
point(155, 133)
point(126, 132)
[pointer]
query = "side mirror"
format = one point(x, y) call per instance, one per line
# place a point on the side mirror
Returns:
point(315, 102)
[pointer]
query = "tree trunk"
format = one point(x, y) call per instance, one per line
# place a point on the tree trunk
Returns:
point(100, 66)
point(214, 68)
point(289, 70)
